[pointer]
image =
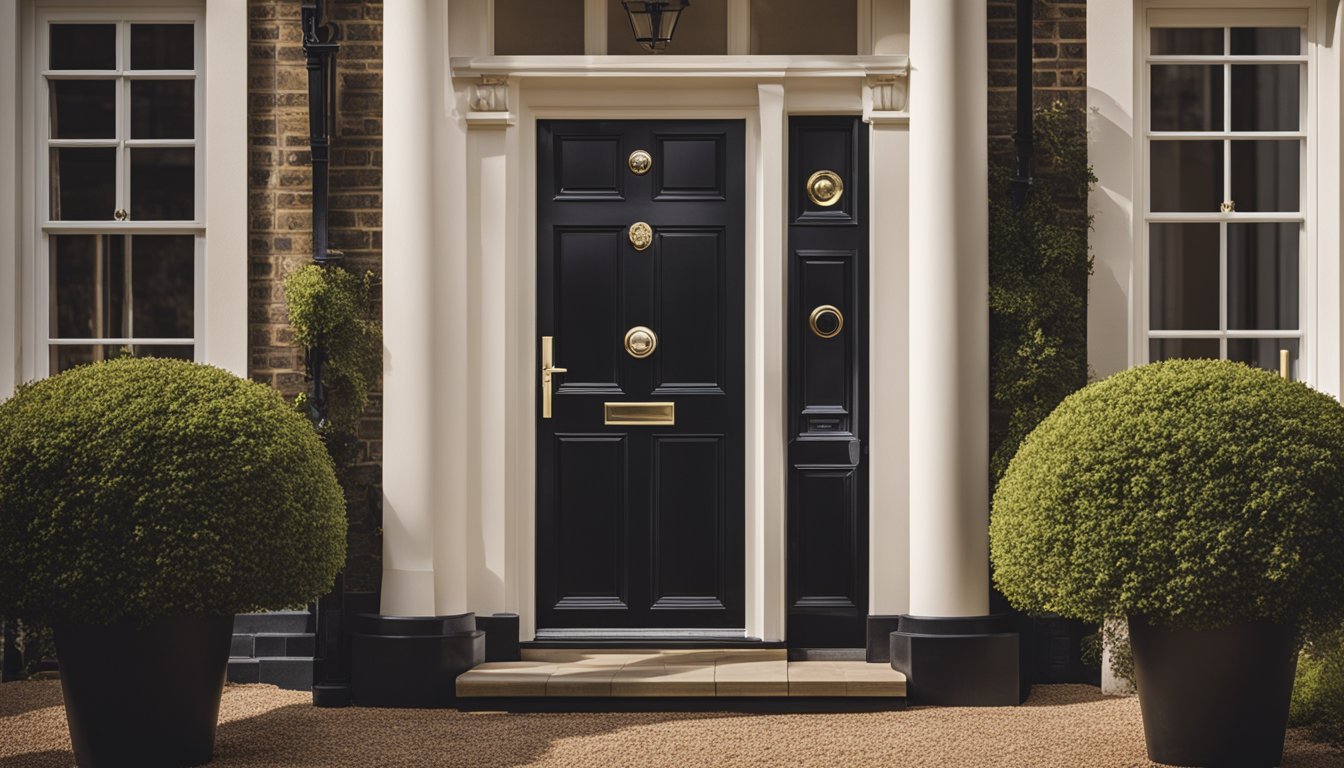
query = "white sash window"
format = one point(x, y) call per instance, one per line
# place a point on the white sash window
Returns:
point(120, 185)
point(1227, 106)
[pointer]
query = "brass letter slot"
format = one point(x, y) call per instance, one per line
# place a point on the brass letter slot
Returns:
point(640, 414)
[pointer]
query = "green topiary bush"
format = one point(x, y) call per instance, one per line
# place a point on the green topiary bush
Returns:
point(1318, 692)
point(146, 487)
point(1195, 493)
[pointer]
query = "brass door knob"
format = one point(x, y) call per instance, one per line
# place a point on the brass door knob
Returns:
point(818, 318)
point(824, 188)
point(640, 342)
point(641, 235)
point(640, 161)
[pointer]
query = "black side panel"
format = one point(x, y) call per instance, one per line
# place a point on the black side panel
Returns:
point(828, 397)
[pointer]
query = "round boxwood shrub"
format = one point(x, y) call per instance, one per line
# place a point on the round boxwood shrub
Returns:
point(1195, 493)
point(145, 487)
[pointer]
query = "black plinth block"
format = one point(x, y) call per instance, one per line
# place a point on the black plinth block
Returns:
point(412, 661)
point(501, 636)
point(961, 662)
point(878, 649)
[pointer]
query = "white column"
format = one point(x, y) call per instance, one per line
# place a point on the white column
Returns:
point(408, 304)
point(949, 312)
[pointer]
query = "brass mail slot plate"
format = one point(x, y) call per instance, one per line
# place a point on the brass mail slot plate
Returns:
point(640, 414)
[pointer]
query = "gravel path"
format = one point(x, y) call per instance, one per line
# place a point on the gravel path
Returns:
point(1060, 725)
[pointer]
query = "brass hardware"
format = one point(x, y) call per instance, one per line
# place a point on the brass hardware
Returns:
point(639, 414)
point(641, 235)
point(1228, 206)
point(822, 311)
point(640, 342)
point(1285, 366)
point(120, 214)
point(824, 188)
point(640, 162)
point(547, 369)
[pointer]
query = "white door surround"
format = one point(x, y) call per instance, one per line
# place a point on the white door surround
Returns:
point(459, 289)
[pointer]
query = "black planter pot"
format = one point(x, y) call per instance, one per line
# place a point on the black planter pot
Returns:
point(146, 695)
point(1217, 697)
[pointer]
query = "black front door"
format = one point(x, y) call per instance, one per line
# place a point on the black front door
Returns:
point(640, 294)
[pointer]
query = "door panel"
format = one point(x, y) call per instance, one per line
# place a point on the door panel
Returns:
point(641, 527)
point(828, 377)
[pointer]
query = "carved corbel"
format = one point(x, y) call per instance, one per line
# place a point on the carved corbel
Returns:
point(889, 92)
point(490, 93)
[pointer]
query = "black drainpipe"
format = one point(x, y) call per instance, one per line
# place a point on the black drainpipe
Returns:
point(1023, 137)
point(331, 656)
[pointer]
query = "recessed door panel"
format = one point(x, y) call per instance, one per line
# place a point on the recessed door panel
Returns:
point(640, 463)
point(590, 525)
point(690, 519)
point(589, 305)
point(689, 296)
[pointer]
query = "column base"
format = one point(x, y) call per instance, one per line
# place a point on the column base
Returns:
point(412, 661)
point(970, 661)
point(501, 636)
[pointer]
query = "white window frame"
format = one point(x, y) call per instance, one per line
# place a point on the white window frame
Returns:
point(221, 309)
point(123, 18)
point(1163, 17)
point(1117, 288)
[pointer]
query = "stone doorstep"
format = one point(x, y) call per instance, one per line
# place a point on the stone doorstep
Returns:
point(677, 674)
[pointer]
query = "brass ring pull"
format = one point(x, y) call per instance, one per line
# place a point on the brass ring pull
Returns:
point(824, 188)
point(813, 321)
point(640, 342)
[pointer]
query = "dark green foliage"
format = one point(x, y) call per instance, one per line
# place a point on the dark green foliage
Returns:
point(1318, 693)
point(147, 487)
point(332, 310)
point(1038, 267)
point(1194, 492)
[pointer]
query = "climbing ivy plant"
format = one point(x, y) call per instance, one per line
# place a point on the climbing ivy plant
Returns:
point(332, 310)
point(1039, 261)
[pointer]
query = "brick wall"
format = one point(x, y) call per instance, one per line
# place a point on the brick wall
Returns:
point(280, 206)
point(1060, 64)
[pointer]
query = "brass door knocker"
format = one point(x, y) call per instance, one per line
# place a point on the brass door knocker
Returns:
point(824, 188)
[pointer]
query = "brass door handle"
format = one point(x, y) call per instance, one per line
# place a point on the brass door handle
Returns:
point(826, 310)
point(547, 368)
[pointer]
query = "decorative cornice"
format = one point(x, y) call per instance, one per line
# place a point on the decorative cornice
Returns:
point(750, 67)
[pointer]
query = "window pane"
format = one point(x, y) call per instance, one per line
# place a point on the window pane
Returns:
point(1187, 42)
point(1191, 349)
point(1266, 97)
point(163, 109)
point(1186, 175)
point(1266, 41)
point(83, 183)
point(531, 28)
point(163, 184)
point(1265, 175)
point(87, 286)
point(83, 46)
point(64, 357)
point(701, 30)
point(1262, 276)
point(803, 26)
point(83, 109)
point(1264, 353)
point(162, 46)
point(162, 286)
point(1183, 277)
point(1187, 98)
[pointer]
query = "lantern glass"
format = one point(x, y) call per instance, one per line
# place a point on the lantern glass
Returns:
point(654, 21)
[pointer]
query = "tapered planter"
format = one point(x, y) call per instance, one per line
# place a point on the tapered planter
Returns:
point(146, 695)
point(1217, 697)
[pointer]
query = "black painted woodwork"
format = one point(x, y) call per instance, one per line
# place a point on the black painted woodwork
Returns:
point(641, 527)
point(412, 661)
point(828, 390)
point(967, 661)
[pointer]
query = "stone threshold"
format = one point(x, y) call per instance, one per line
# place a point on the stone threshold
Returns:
point(729, 674)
